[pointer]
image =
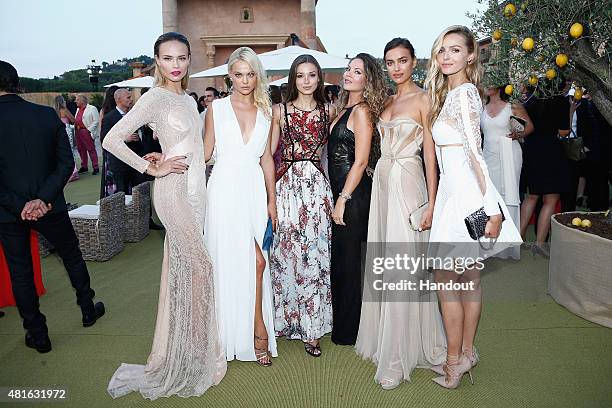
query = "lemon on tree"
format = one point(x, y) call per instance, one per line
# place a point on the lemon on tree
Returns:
point(533, 80)
point(509, 89)
point(561, 60)
point(497, 35)
point(576, 30)
point(551, 74)
point(528, 44)
point(578, 94)
point(509, 10)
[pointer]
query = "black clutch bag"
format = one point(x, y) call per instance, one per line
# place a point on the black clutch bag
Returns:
point(477, 221)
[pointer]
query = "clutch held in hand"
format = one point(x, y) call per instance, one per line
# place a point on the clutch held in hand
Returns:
point(267, 239)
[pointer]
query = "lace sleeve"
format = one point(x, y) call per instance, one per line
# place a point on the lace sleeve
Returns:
point(143, 113)
point(471, 108)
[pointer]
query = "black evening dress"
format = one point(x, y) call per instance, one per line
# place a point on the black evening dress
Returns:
point(348, 241)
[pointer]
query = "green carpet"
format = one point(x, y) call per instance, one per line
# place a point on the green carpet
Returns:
point(534, 352)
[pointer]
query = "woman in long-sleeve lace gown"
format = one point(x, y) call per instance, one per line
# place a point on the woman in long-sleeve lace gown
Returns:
point(186, 358)
point(464, 188)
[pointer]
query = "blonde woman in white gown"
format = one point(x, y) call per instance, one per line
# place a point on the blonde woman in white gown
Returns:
point(502, 153)
point(464, 187)
point(186, 357)
point(401, 332)
point(241, 198)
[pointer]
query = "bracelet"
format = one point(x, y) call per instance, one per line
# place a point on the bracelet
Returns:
point(344, 195)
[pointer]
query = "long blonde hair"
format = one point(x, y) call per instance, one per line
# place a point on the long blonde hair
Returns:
point(375, 91)
point(436, 82)
point(261, 93)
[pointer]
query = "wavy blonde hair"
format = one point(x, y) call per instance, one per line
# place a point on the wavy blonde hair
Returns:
point(436, 82)
point(375, 92)
point(262, 92)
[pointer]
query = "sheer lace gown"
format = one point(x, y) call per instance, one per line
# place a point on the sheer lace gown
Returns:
point(399, 332)
point(465, 185)
point(186, 357)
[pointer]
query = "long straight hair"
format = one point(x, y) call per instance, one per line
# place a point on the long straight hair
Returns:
point(158, 77)
point(262, 92)
point(436, 82)
point(292, 91)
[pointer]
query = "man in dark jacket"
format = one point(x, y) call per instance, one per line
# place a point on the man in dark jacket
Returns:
point(125, 176)
point(35, 164)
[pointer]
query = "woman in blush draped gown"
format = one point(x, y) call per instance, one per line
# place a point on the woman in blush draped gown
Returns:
point(401, 331)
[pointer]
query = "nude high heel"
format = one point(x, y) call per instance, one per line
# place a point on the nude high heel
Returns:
point(454, 373)
point(473, 356)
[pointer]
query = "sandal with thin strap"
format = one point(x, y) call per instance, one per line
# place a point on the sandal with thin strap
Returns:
point(312, 349)
point(262, 355)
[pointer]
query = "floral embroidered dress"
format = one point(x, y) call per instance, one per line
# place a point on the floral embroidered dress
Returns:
point(300, 253)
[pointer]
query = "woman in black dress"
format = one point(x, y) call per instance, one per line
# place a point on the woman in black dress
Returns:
point(360, 103)
point(546, 169)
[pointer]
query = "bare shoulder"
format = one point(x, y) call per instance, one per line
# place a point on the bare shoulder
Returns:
point(361, 115)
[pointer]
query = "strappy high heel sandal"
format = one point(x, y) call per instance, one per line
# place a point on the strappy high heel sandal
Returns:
point(312, 349)
point(262, 355)
point(473, 356)
point(454, 373)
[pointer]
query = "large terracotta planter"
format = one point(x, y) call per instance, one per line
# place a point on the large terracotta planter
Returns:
point(580, 273)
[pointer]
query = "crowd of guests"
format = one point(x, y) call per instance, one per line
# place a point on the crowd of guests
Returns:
point(283, 242)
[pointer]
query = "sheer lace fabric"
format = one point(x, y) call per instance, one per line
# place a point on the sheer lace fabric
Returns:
point(186, 357)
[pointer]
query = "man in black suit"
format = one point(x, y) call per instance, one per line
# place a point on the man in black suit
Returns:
point(125, 176)
point(35, 163)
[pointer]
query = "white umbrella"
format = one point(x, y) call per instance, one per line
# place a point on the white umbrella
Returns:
point(284, 80)
point(278, 62)
point(138, 82)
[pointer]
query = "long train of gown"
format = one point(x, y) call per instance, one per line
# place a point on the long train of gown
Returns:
point(399, 332)
point(186, 357)
point(237, 217)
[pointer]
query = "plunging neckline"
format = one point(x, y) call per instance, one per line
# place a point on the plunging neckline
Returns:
point(498, 113)
point(238, 123)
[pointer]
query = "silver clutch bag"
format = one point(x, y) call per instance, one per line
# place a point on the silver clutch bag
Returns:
point(414, 219)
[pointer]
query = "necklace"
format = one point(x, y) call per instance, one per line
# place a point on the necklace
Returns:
point(304, 110)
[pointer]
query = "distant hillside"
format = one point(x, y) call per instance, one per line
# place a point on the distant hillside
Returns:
point(78, 80)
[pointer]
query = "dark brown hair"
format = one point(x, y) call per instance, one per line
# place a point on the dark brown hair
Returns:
point(292, 91)
point(164, 38)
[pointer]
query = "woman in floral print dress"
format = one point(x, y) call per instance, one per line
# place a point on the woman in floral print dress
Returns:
point(300, 253)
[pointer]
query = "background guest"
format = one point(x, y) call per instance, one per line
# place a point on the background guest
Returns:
point(502, 152)
point(32, 197)
point(546, 168)
point(86, 127)
point(125, 176)
point(107, 183)
point(67, 119)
